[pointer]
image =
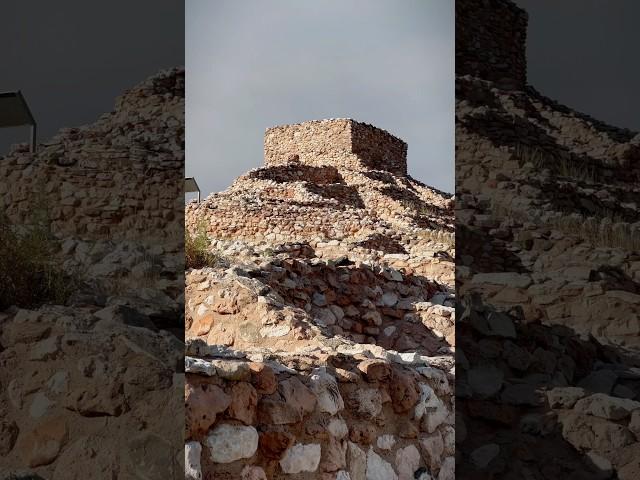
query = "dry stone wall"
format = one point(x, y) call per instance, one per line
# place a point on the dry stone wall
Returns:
point(293, 416)
point(490, 42)
point(342, 143)
point(121, 176)
point(348, 183)
point(321, 342)
point(547, 273)
point(92, 385)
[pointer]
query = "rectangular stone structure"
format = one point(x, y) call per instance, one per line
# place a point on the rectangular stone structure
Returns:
point(490, 42)
point(342, 143)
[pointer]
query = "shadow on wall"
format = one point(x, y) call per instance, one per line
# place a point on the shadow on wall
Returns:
point(324, 181)
point(527, 392)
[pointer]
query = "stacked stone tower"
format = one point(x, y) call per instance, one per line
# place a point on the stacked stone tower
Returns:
point(341, 143)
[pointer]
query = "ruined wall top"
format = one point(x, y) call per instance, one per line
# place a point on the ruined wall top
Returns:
point(343, 143)
point(490, 41)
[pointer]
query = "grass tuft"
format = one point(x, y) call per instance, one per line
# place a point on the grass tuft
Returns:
point(197, 249)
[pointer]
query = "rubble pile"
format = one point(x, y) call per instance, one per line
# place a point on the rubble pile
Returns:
point(93, 388)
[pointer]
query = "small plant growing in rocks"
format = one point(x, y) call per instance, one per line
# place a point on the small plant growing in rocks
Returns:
point(197, 249)
point(29, 273)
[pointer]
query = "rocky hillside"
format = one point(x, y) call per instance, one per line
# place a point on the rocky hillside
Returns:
point(92, 388)
point(547, 225)
point(321, 340)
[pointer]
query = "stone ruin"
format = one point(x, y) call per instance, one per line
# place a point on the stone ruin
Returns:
point(340, 143)
point(93, 383)
point(119, 177)
point(320, 346)
point(490, 42)
point(327, 180)
point(547, 274)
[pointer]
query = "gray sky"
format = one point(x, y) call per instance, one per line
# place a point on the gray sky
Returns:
point(72, 58)
point(583, 53)
point(253, 64)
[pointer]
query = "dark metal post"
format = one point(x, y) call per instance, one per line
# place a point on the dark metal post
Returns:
point(33, 138)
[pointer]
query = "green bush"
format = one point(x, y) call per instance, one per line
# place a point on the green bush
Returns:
point(30, 275)
point(197, 249)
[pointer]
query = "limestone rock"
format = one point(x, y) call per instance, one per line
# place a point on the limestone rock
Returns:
point(228, 443)
point(301, 458)
point(192, 468)
point(377, 468)
point(326, 390)
point(407, 462)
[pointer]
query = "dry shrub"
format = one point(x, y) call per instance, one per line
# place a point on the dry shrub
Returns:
point(30, 274)
point(197, 249)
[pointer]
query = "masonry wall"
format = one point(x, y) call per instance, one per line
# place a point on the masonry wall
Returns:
point(342, 143)
point(490, 41)
point(121, 176)
point(378, 149)
point(314, 143)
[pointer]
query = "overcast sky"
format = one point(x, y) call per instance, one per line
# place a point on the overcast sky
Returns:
point(72, 58)
point(584, 53)
point(253, 64)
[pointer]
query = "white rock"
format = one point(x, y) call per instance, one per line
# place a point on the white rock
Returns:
point(377, 468)
point(426, 392)
point(342, 475)
point(326, 389)
point(357, 461)
point(301, 458)
point(431, 408)
point(338, 427)
point(202, 310)
point(39, 405)
point(390, 330)
point(45, 349)
point(386, 442)
point(192, 468)
point(605, 406)
point(251, 472)
point(197, 365)
point(482, 456)
point(448, 469)
point(407, 462)
point(389, 299)
point(275, 330)
point(229, 443)
point(433, 447)
point(59, 382)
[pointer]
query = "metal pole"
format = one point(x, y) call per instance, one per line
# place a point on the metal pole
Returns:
point(33, 138)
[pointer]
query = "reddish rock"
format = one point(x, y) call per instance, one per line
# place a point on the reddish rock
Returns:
point(362, 432)
point(403, 390)
point(334, 454)
point(43, 444)
point(296, 394)
point(407, 428)
point(203, 324)
point(244, 401)
point(277, 412)
point(375, 370)
point(202, 404)
point(273, 444)
point(263, 378)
